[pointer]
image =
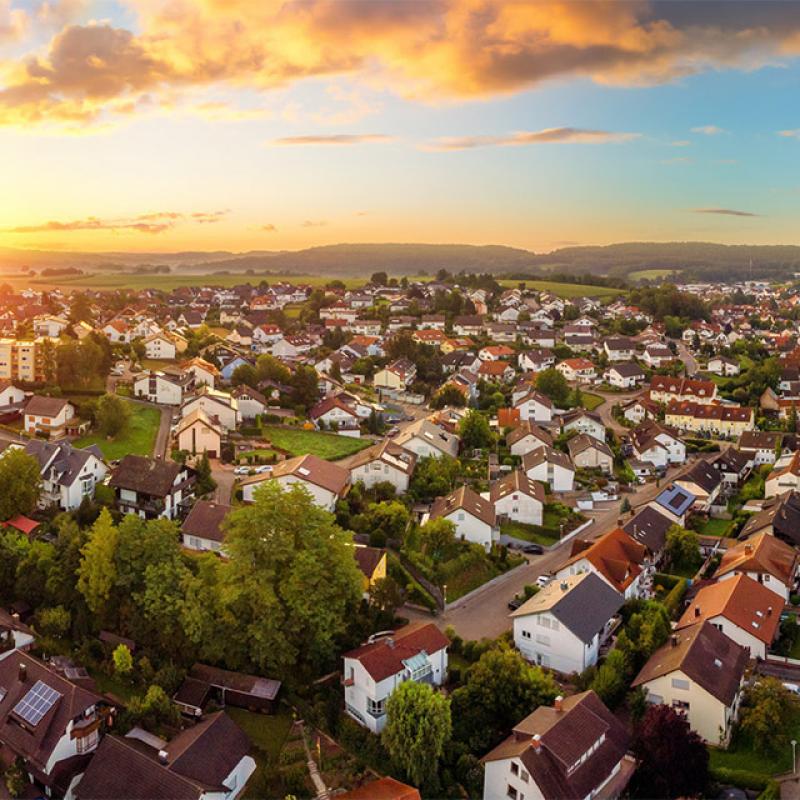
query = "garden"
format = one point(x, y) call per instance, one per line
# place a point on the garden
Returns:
point(329, 446)
point(135, 435)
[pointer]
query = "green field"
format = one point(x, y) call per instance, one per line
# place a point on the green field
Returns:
point(138, 439)
point(592, 401)
point(565, 289)
point(329, 446)
point(651, 274)
point(532, 533)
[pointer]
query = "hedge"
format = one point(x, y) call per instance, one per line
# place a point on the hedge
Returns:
point(742, 778)
point(672, 601)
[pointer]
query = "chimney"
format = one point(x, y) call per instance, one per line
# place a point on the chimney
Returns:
point(390, 642)
point(769, 611)
point(564, 586)
point(674, 639)
point(748, 549)
point(162, 757)
point(22, 673)
point(536, 742)
point(558, 703)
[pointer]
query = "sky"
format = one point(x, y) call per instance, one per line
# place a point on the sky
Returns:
point(165, 125)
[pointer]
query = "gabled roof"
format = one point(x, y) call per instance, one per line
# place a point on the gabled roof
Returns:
point(544, 454)
point(705, 655)
point(528, 428)
point(467, 500)
point(781, 514)
point(745, 602)
point(676, 500)
point(368, 559)
point(761, 553)
point(649, 527)
point(310, 468)
point(701, 474)
point(516, 481)
point(146, 475)
point(616, 556)
point(583, 603)
point(198, 415)
point(387, 451)
point(41, 406)
point(577, 444)
point(205, 520)
point(382, 789)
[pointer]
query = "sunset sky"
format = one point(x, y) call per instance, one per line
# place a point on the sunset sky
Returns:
point(162, 125)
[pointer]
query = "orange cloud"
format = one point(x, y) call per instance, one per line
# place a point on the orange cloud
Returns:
point(546, 136)
point(152, 222)
point(13, 22)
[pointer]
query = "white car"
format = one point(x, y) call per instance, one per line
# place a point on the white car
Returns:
point(263, 468)
point(543, 580)
point(241, 470)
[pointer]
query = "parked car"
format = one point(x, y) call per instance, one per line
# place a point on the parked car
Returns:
point(241, 470)
point(543, 580)
point(263, 468)
point(536, 549)
point(515, 602)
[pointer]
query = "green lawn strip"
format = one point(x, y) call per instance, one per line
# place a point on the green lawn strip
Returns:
point(472, 577)
point(263, 453)
point(137, 439)
point(111, 684)
point(592, 401)
point(650, 274)
point(565, 289)
point(715, 527)
point(329, 446)
point(538, 534)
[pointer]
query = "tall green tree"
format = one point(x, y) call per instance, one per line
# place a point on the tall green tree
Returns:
point(97, 574)
point(291, 580)
point(418, 728)
point(551, 383)
point(683, 548)
point(20, 483)
point(113, 415)
point(475, 431)
point(767, 713)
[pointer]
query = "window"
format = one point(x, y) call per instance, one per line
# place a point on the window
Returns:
point(526, 634)
point(511, 792)
point(680, 705)
point(545, 640)
point(524, 775)
point(514, 768)
point(376, 707)
point(84, 744)
point(679, 683)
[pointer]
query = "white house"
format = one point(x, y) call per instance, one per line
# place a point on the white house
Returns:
point(658, 444)
point(581, 421)
point(10, 395)
point(551, 467)
point(161, 346)
point(741, 608)
point(624, 376)
point(218, 405)
point(250, 401)
point(424, 438)
point(527, 436)
point(203, 372)
point(48, 415)
point(396, 376)
point(518, 497)
point(721, 365)
point(472, 515)
point(385, 462)
point(152, 488)
point(164, 388)
point(197, 433)
point(656, 355)
point(574, 749)
point(619, 348)
point(563, 626)
point(49, 326)
point(577, 369)
point(202, 528)
point(535, 406)
point(417, 652)
point(326, 482)
point(587, 452)
point(117, 331)
point(332, 412)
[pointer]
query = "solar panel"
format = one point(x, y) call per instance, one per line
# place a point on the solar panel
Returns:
point(677, 500)
point(36, 703)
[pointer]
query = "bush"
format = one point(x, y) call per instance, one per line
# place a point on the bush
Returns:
point(673, 600)
point(742, 778)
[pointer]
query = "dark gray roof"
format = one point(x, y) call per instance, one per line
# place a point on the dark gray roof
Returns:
point(62, 461)
point(649, 527)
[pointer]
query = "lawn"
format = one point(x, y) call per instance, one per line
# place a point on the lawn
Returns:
point(715, 527)
point(112, 684)
point(329, 446)
point(592, 401)
point(530, 533)
point(264, 454)
point(565, 289)
point(651, 274)
point(267, 732)
point(139, 437)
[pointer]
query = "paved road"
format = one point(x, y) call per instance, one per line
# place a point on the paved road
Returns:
point(161, 447)
point(688, 359)
point(611, 399)
point(223, 475)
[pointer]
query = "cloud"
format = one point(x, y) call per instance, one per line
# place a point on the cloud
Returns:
point(13, 22)
point(152, 222)
point(545, 136)
point(269, 228)
point(314, 223)
point(790, 134)
point(725, 212)
point(334, 139)
point(709, 130)
point(439, 49)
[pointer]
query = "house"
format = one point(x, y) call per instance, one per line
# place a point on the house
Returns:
point(619, 348)
point(472, 515)
point(207, 761)
point(416, 652)
point(720, 420)
point(49, 326)
point(517, 497)
point(69, 474)
point(333, 413)
point(639, 409)
point(117, 331)
point(581, 421)
point(575, 749)
point(704, 482)
point(223, 688)
point(14, 634)
point(577, 369)
point(536, 360)
point(563, 626)
point(741, 608)
point(664, 389)
point(424, 438)
point(219, 406)
point(734, 467)
point(779, 516)
point(496, 352)
point(674, 502)
point(372, 563)
point(152, 488)
point(292, 346)
point(527, 436)
point(496, 371)
point(551, 467)
point(164, 346)
point(198, 433)
point(384, 462)
point(701, 672)
point(203, 372)
point(382, 789)
point(164, 388)
point(764, 558)
point(762, 445)
point(470, 325)
point(721, 365)
point(10, 395)
point(650, 527)
point(624, 376)
point(785, 478)
point(48, 416)
point(658, 444)
point(251, 402)
point(326, 482)
point(397, 376)
point(50, 723)
point(656, 355)
point(587, 452)
point(535, 406)
point(202, 528)
point(619, 560)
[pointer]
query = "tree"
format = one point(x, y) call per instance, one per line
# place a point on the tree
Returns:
point(270, 368)
point(501, 688)
point(204, 482)
point(245, 374)
point(291, 581)
point(20, 483)
point(305, 384)
point(80, 308)
point(673, 759)
point(767, 711)
point(112, 415)
point(386, 595)
point(153, 710)
point(379, 278)
point(475, 431)
point(418, 728)
point(610, 682)
point(683, 548)
point(448, 395)
point(54, 621)
point(382, 521)
point(97, 574)
point(123, 660)
point(433, 477)
point(437, 537)
point(551, 383)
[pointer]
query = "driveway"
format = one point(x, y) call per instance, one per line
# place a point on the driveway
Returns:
point(223, 475)
point(161, 447)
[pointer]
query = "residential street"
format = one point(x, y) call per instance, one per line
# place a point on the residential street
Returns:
point(688, 359)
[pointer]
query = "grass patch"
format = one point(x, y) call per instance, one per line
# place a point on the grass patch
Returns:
point(263, 453)
point(138, 438)
point(565, 289)
point(537, 534)
point(651, 274)
point(329, 446)
point(473, 576)
point(267, 732)
point(715, 527)
point(591, 401)
point(111, 684)
point(157, 364)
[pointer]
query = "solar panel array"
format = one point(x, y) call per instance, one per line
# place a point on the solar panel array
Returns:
point(36, 703)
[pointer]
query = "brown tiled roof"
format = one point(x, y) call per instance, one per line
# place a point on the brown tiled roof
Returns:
point(384, 658)
point(146, 475)
point(688, 408)
point(741, 600)
point(237, 681)
point(516, 481)
point(466, 499)
point(382, 789)
point(368, 558)
point(205, 519)
point(526, 428)
point(41, 406)
point(577, 444)
point(761, 553)
point(388, 451)
point(706, 655)
point(544, 453)
point(615, 555)
point(309, 468)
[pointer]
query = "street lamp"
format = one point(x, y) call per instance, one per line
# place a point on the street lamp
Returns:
point(794, 756)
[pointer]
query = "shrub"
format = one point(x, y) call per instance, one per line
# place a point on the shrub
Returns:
point(742, 778)
point(673, 600)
